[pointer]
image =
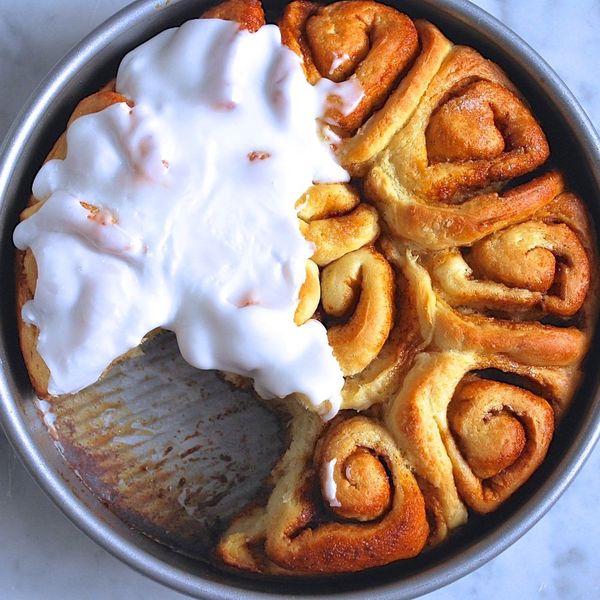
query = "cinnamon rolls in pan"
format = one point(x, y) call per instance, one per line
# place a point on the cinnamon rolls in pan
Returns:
point(460, 321)
point(456, 275)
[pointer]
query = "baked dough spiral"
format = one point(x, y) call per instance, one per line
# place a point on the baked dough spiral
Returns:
point(498, 435)
point(335, 220)
point(376, 517)
point(370, 42)
point(361, 280)
point(473, 441)
point(539, 267)
point(439, 181)
point(357, 152)
point(370, 319)
point(381, 378)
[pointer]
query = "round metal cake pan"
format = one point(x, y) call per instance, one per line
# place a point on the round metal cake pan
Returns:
point(576, 148)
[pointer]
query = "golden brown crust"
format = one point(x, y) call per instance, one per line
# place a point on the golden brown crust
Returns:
point(310, 294)
point(529, 341)
point(26, 277)
point(336, 236)
point(491, 297)
point(378, 382)
point(335, 220)
point(438, 181)
point(470, 98)
point(498, 435)
point(371, 42)
point(393, 58)
point(357, 151)
point(367, 530)
point(533, 267)
point(441, 226)
point(370, 325)
point(452, 426)
point(361, 282)
point(248, 13)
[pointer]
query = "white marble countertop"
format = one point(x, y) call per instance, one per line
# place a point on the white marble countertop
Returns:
point(44, 556)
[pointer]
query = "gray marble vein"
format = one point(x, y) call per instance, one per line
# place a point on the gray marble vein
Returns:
point(43, 556)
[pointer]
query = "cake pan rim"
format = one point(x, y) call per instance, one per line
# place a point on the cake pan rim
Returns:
point(20, 437)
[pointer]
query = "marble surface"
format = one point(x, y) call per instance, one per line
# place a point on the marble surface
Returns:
point(44, 556)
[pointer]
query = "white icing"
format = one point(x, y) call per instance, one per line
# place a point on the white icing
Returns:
point(348, 473)
point(48, 416)
point(344, 96)
point(328, 484)
point(184, 498)
point(338, 60)
point(179, 213)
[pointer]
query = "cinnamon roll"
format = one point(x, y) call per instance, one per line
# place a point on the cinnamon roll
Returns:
point(540, 266)
point(352, 504)
point(335, 220)
point(473, 440)
point(26, 267)
point(440, 180)
point(370, 42)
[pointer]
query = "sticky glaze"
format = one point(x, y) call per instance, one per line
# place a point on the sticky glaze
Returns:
point(180, 213)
